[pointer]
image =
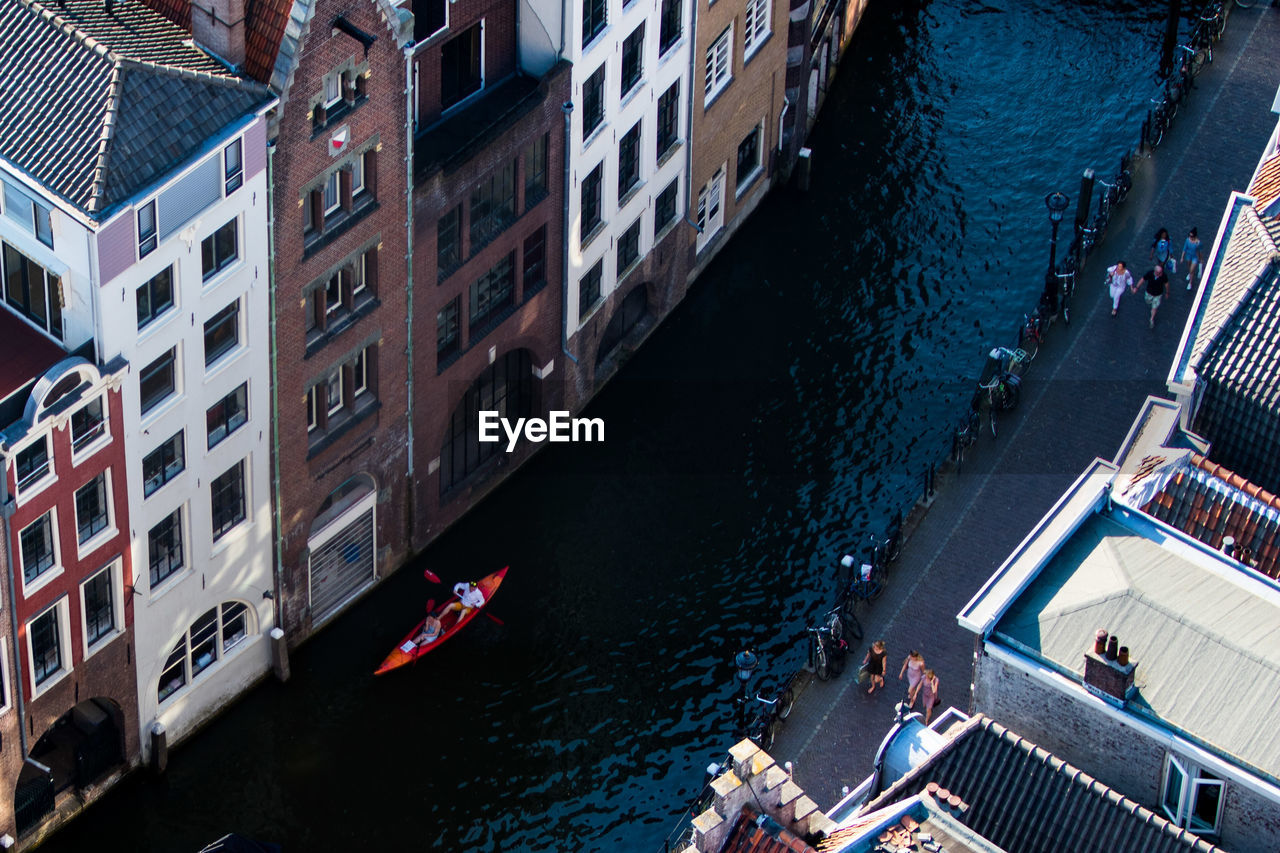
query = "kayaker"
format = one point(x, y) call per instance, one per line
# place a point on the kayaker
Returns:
point(469, 598)
point(430, 630)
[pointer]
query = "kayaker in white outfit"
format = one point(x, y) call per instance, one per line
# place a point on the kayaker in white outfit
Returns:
point(469, 598)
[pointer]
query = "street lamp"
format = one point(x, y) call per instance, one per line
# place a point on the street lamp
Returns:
point(1057, 204)
point(746, 662)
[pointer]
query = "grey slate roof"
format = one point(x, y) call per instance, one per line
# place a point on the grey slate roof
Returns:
point(96, 106)
point(1024, 799)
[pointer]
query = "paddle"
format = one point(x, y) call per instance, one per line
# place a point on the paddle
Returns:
point(431, 576)
point(494, 618)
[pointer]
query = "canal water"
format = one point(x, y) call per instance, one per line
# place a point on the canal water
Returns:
point(784, 411)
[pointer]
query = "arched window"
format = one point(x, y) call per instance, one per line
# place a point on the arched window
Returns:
point(507, 387)
point(217, 632)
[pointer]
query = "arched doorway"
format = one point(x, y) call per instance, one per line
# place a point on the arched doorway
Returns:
point(342, 546)
point(81, 746)
point(507, 387)
point(633, 310)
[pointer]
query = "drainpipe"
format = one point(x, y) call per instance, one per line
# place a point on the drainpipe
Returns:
point(688, 137)
point(782, 120)
point(6, 512)
point(278, 603)
point(408, 278)
point(567, 109)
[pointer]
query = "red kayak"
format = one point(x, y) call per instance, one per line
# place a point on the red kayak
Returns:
point(408, 651)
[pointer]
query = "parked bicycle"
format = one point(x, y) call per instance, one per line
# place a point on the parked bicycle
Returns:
point(769, 712)
point(885, 552)
point(866, 583)
point(967, 434)
point(1004, 387)
point(827, 650)
point(1031, 334)
point(1067, 288)
point(1158, 120)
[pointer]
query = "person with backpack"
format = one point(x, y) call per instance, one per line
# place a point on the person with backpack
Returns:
point(1162, 250)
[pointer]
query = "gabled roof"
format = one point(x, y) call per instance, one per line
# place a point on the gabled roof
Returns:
point(96, 105)
point(1023, 799)
point(1265, 186)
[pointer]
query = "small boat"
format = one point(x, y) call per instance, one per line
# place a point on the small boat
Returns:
point(408, 650)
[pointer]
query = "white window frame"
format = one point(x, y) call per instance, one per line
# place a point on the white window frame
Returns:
point(331, 181)
point(117, 609)
point(48, 478)
point(357, 174)
point(222, 651)
point(60, 607)
point(330, 407)
point(148, 241)
point(233, 176)
point(313, 408)
point(359, 274)
point(755, 26)
point(711, 207)
point(1190, 785)
point(719, 67)
point(55, 570)
point(95, 541)
point(332, 81)
point(78, 455)
point(6, 690)
point(360, 373)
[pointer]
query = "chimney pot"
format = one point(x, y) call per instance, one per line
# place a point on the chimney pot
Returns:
point(1228, 545)
point(931, 789)
point(1100, 641)
point(1113, 647)
point(1123, 657)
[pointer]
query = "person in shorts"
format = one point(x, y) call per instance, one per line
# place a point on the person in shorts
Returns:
point(1157, 289)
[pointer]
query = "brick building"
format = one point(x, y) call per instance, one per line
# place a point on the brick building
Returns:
point(739, 104)
point(817, 36)
point(64, 501)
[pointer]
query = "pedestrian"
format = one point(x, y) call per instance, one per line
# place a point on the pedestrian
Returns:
point(1162, 250)
point(1118, 279)
point(929, 692)
point(1157, 285)
point(1191, 257)
point(873, 663)
point(913, 668)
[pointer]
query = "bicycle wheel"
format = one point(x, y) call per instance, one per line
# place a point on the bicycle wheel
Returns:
point(1196, 63)
point(1155, 131)
point(1245, 4)
point(893, 549)
point(786, 702)
point(991, 418)
point(837, 659)
point(1030, 344)
point(821, 667)
point(833, 624)
point(853, 626)
point(878, 581)
point(846, 607)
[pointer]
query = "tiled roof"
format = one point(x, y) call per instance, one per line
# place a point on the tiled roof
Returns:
point(748, 837)
point(1209, 502)
point(25, 353)
point(96, 105)
point(1240, 409)
point(264, 24)
point(1024, 799)
point(1265, 186)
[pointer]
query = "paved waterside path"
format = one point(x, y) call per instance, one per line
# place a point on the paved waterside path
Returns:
point(1078, 401)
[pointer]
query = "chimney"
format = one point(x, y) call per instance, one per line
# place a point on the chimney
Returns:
point(1229, 545)
point(218, 27)
point(1108, 673)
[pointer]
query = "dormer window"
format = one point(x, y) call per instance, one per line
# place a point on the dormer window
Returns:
point(33, 464)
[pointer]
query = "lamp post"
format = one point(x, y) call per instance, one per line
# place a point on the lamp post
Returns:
point(1057, 204)
point(746, 663)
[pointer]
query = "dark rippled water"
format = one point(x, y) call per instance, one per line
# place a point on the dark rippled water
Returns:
point(788, 407)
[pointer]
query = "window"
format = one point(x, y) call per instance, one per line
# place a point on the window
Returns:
point(629, 247)
point(233, 166)
point(669, 26)
point(332, 88)
point(508, 386)
point(668, 116)
point(32, 463)
point(157, 381)
point(218, 250)
point(535, 171)
point(492, 293)
point(332, 197)
point(535, 261)
point(164, 547)
point(226, 498)
point(332, 301)
point(461, 70)
point(755, 26)
point(593, 102)
point(221, 333)
point(92, 513)
point(44, 633)
point(147, 229)
point(155, 297)
point(629, 160)
point(33, 291)
point(87, 425)
point(163, 464)
point(718, 61)
point(748, 158)
point(632, 60)
point(99, 607)
point(217, 631)
point(344, 395)
point(357, 175)
point(664, 210)
point(333, 394)
point(589, 290)
point(493, 205)
point(360, 373)
point(36, 541)
point(30, 214)
point(593, 19)
point(448, 240)
point(711, 207)
point(429, 18)
point(227, 415)
point(1192, 797)
point(590, 203)
point(447, 329)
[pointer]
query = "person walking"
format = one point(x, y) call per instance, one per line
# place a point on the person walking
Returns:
point(913, 669)
point(1157, 288)
point(1119, 279)
point(874, 665)
point(1191, 257)
point(1162, 250)
point(929, 692)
